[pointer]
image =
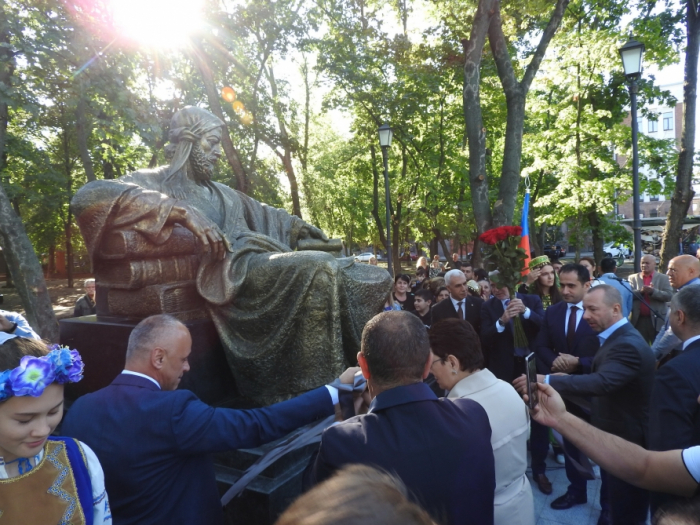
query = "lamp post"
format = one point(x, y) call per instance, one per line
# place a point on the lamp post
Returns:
point(385, 135)
point(632, 53)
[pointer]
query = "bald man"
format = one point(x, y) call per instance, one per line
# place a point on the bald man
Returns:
point(655, 289)
point(683, 271)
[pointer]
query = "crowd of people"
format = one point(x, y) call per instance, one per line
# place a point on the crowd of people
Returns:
point(441, 432)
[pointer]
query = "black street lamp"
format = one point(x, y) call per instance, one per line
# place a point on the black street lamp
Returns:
point(632, 53)
point(385, 135)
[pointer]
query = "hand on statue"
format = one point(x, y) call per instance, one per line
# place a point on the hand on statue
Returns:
point(565, 363)
point(348, 377)
point(208, 234)
point(5, 324)
point(550, 408)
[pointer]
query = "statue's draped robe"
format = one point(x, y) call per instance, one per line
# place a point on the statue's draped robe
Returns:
point(289, 320)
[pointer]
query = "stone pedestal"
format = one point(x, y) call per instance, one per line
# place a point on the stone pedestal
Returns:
point(102, 343)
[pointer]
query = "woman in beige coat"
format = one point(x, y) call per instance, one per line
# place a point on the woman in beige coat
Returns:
point(457, 364)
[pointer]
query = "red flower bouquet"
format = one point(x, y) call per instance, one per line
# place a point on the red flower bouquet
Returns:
point(503, 253)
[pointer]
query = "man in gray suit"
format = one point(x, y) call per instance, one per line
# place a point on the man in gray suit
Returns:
point(619, 386)
point(655, 289)
point(683, 271)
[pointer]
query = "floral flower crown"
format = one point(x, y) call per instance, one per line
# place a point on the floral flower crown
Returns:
point(61, 365)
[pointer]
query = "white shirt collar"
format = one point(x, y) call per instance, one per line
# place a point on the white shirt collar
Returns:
point(132, 373)
point(687, 342)
point(455, 302)
point(579, 305)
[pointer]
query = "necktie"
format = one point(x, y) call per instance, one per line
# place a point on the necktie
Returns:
point(460, 310)
point(571, 329)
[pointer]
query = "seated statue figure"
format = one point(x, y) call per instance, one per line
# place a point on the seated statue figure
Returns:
point(289, 320)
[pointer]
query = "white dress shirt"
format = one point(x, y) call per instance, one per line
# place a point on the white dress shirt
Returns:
point(455, 303)
point(504, 302)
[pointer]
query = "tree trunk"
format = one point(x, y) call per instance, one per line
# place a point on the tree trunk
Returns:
point(598, 238)
point(286, 159)
point(204, 67)
point(683, 194)
point(441, 239)
point(516, 94)
point(475, 131)
point(22, 263)
point(51, 267)
point(83, 132)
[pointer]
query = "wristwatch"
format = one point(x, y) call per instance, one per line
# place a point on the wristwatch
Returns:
point(11, 329)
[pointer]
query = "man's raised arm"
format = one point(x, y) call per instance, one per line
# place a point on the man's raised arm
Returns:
point(656, 471)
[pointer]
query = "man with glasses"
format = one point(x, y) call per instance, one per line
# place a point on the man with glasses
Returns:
point(683, 271)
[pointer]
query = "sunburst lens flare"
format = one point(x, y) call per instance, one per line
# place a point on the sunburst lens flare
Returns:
point(238, 107)
point(157, 23)
point(228, 94)
point(247, 119)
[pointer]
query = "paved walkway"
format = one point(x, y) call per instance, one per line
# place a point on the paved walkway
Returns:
point(578, 515)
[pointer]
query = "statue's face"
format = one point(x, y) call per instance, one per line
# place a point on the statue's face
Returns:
point(205, 154)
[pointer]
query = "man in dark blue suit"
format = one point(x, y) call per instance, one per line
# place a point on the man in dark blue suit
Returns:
point(567, 344)
point(674, 413)
point(154, 442)
point(502, 358)
point(439, 448)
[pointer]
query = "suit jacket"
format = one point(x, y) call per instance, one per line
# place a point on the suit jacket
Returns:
point(674, 414)
point(155, 446)
point(499, 347)
point(440, 449)
point(551, 340)
point(661, 295)
point(472, 311)
point(620, 383)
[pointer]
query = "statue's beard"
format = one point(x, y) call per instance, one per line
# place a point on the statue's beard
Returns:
point(202, 167)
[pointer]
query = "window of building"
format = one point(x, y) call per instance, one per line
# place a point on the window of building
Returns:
point(654, 198)
point(652, 126)
point(653, 213)
point(668, 121)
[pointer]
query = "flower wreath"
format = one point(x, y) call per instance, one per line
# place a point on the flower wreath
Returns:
point(61, 365)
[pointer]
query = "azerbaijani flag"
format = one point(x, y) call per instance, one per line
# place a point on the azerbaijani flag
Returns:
point(524, 224)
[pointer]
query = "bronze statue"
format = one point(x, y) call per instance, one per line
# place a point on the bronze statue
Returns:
point(289, 320)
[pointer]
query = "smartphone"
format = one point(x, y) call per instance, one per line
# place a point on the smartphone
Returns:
point(531, 373)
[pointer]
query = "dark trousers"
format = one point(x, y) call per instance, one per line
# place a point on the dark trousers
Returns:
point(627, 504)
point(577, 482)
point(645, 326)
point(539, 446)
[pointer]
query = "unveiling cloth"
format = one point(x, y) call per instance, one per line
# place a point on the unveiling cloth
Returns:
point(290, 320)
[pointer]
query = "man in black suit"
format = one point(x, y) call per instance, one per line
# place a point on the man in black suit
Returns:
point(461, 305)
point(620, 385)
point(567, 344)
point(439, 448)
point(674, 414)
point(497, 337)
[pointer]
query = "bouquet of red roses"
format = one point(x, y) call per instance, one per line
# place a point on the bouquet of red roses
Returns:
point(503, 253)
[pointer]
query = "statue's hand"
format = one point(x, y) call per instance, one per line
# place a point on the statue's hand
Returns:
point(308, 230)
point(209, 235)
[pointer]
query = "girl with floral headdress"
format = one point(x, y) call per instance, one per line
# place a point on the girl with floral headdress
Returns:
point(44, 479)
point(543, 281)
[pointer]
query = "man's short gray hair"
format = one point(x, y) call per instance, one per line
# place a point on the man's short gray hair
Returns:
point(89, 281)
point(611, 295)
point(452, 273)
point(146, 335)
point(687, 300)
